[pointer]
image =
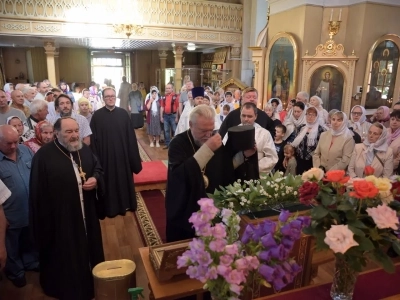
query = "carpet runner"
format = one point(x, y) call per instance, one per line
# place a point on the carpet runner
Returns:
point(152, 177)
point(143, 155)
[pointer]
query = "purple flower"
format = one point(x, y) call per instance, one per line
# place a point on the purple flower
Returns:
point(235, 277)
point(226, 260)
point(218, 245)
point(197, 220)
point(279, 271)
point(248, 233)
point(203, 258)
point(269, 226)
point(258, 233)
point(278, 252)
point(223, 270)
point(268, 241)
point(232, 249)
point(182, 261)
point(196, 245)
point(265, 255)
point(202, 273)
point(204, 230)
point(218, 231)
point(212, 273)
point(278, 284)
point(242, 264)
point(292, 230)
point(253, 262)
point(207, 206)
point(287, 242)
point(267, 272)
point(306, 221)
point(192, 272)
point(295, 267)
point(284, 216)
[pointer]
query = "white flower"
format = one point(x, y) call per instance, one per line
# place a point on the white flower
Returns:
point(386, 196)
point(231, 205)
point(313, 173)
point(340, 238)
point(295, 193)
point(384, 217)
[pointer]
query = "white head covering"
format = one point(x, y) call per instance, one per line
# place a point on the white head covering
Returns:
point(279, 108)
point(7, 88)
point(343, 128)
point(291, 123)
point(319, 107)
point(380, 145)
point(363, 118)
point(154, 108)
point(312, 135)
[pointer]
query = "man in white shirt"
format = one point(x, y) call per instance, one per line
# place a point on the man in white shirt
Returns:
point(63, 106)
point(41, 91)
point(265, 147)
point(29, 95)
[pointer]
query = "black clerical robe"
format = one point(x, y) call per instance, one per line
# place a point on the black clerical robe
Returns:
point(233, 119)
point(67, 251)
point(113, 141)
point(185, 184)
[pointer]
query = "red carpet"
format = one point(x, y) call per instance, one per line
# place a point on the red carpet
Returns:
point(153, 176)
point(150, 216)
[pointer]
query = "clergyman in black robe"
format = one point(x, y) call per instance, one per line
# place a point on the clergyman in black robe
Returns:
point(185, 184)
point(114, 142)
point(69, 243)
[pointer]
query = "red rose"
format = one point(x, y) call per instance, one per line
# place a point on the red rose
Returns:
point(336, 176)
point(308, 191)
point(368, 170)
point(364, 189)
point(396, 190)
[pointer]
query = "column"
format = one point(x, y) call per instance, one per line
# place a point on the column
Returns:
point(235, 58)
point(162, 54)
point(51, 52)
point(258, 61)
point(178, 53)
point(56, 56)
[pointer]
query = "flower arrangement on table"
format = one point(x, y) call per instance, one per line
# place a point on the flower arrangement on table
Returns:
point(256, 195)
point(357, 219)
point(229, 266)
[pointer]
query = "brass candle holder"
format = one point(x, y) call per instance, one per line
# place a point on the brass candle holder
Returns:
point(333, 28)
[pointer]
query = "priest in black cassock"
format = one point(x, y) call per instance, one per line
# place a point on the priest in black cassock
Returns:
point(114, 142)
point(64, 198)
point(198, 163)
point(249, 94)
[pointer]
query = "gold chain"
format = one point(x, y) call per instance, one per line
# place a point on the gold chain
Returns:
point(205, 178)
point(81, 173)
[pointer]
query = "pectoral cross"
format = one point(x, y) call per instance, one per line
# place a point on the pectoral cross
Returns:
point(82, 174)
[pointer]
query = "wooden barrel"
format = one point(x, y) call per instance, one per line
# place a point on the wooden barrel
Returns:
point(112, 279)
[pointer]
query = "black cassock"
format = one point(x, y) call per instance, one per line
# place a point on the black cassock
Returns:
point(113, 141)
point(67, 254)
point(185, 185)
point(233, 119)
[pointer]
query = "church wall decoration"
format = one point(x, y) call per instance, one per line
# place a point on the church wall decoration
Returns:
point(281, 68)
point(380, 83)
point(327, 82)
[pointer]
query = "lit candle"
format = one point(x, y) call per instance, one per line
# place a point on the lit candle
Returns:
point(331, 15)
point(340, 15)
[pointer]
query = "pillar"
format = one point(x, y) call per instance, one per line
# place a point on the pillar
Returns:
point(56, 56)
point(258, 54)
point(178, 54)
point(235, 58)
point(51, 52)
point(162, 54)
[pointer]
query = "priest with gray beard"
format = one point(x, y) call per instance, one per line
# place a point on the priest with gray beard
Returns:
point(65, 206)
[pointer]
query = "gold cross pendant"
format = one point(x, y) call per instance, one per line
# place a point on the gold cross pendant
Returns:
point(82, 174)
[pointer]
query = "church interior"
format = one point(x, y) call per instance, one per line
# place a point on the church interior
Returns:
point(346, 52)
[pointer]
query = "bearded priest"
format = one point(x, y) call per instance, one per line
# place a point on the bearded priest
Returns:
point(65, 186)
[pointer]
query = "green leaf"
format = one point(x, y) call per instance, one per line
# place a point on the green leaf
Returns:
point(373, 232)
point(356, 231)
point(364, 243)
point(351, 215)
point(345, 207)
point(396, 246)
point(309, 230)
point(327, 199)
point(265, 283)
point(357, 223)
point(319, 212)
point(383, 259)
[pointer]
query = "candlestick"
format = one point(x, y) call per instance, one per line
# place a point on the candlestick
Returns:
point(340, 15)
point(331, 15)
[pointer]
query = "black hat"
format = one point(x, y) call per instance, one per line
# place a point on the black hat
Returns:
point(241, 137)
point(197, 91)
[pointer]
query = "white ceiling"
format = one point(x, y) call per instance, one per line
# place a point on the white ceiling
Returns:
point(94, 43)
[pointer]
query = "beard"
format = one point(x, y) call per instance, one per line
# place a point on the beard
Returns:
point(65, 114)
point(70, 147)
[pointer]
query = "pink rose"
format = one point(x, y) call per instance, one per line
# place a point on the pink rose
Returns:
point(340, 238)
point(384, 217)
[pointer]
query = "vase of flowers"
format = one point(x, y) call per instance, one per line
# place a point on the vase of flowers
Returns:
point(356, 219)
point(229, 266)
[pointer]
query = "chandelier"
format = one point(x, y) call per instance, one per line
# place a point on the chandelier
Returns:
point(128, 29)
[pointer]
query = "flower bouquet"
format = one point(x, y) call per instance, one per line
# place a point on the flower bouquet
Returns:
point(257, 195)
point(229, 266)
point(356, 219)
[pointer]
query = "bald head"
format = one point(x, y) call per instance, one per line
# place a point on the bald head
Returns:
point(9, 139)
point(17, 97)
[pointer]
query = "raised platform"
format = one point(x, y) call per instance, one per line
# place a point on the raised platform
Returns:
point(152, 177)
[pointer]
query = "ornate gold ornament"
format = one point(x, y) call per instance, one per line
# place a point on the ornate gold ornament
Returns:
point(128, 29)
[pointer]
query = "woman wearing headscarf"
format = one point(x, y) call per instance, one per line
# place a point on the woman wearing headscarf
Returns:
point(270, 111)
point(23, 131)
point(317, 103)
point(278, 108)
point(394, 137)
point(335, 146)
point(286, 113)
point(8, 88)
point(382, 115)
point(153, 118)
point(44, 133)
point(358, 121)
point(307, 140)
point(294, 121)
point(373, 152)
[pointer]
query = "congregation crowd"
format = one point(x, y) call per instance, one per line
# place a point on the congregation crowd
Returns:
point(62, 143)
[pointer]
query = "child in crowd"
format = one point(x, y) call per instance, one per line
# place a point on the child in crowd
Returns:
point(289, 162)
point(225, 111)
point(280, 143)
